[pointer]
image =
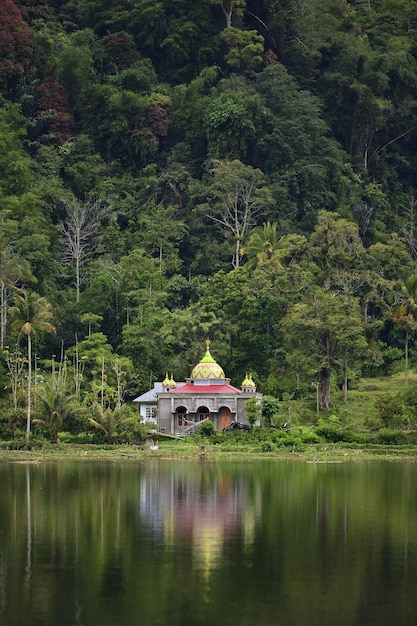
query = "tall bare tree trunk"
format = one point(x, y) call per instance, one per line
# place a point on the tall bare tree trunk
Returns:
point(406, 355)
point(345, 379)
point(29, 385)
point(3, 321)
point(325, 388)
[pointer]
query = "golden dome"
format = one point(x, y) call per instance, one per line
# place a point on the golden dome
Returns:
point(208, 368)
point(248, 382)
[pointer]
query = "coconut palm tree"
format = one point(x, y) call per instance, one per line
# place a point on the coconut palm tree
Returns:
point(109, 420)
point(30, 312)
point(13, 270)
point(263, 244)
point(406, 313)
point(54, 403)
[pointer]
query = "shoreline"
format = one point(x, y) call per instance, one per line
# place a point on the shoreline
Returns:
point(190, 451)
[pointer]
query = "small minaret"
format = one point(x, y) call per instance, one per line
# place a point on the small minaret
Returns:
point(166, 384)
point(248, 386)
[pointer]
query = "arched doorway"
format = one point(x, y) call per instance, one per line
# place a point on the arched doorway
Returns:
point(225, 417)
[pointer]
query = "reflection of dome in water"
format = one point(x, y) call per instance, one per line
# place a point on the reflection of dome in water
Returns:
point(207, 368)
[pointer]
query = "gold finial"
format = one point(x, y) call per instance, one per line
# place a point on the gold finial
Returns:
point(207, 344)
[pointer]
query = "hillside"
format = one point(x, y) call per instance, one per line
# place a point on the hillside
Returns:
point(239, 170)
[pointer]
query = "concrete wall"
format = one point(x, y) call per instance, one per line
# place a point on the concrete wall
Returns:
point(167, 405)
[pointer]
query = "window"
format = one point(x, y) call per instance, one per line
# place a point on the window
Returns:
point(181, 419)
point(202, 413)
point(181, 416)
point(150, 412)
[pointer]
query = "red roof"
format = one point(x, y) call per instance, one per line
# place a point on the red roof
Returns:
point(206, 389)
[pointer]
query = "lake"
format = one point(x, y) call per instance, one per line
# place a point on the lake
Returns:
point(190, 544)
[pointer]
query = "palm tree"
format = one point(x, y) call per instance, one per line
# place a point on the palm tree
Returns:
point(55, 403)
point(406, 313)
point(109, 420)
point(13, 270)
point(30, 312)
point(263, 244)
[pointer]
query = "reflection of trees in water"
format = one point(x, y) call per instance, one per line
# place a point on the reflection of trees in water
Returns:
point(3, 585)
point(101, 542)
point(28, 568)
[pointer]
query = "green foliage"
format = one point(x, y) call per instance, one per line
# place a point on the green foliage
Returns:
point(206, 429)
point(267, 446)
point(140, 77)
point(229, 128)
point(270, 408)
point(398, 410)
point(389, 436)
point(55, 404)
point(133, 432)
point(389, 410)
point(332, 433)
point(75, 67)
point(253, 410)
point(110, 422)
point(245, 48)
point(295, 148)
point(11, 421)
point(15, 164)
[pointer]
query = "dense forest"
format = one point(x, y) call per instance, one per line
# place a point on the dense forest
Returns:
point(241, 170)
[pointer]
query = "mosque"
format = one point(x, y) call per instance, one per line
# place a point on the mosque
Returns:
point(177, 407)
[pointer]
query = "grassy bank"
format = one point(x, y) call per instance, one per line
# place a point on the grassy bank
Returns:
point(207, 452)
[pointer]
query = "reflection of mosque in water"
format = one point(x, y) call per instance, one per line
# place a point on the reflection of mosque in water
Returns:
point(201, 505)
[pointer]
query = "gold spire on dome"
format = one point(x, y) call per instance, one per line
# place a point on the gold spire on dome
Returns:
point(172, 382)
point(207, 358)
point(248, 381)
point(166, 382)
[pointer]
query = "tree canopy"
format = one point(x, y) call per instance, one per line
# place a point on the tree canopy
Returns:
point(244, 170)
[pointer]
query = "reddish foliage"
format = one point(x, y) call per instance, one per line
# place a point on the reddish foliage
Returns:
point(157, 119)
point(270, 58)
point(122, 51)
point(52, 98)
point(16, 42)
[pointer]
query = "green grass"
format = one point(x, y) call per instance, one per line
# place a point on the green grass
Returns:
point(189, 450)
point(359, 410)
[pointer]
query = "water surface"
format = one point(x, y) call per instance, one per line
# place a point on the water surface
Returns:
point(190, 544)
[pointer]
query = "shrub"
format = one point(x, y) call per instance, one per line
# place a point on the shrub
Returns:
point(391, 436)
point(309, 436)
point(389, 409)
point(10, 421)
point(270, 409)
point(267, 446)
point(373, 423)
point(206, 428)
point(330, 433)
